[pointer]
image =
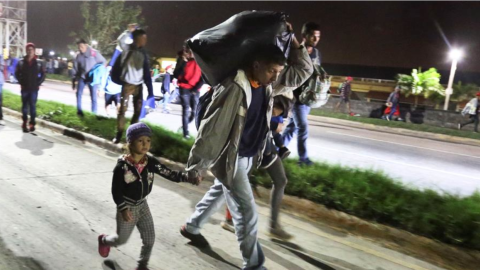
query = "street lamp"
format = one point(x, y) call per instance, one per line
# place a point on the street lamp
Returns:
point(455, 55)
point(72, 53)
point(52, 53)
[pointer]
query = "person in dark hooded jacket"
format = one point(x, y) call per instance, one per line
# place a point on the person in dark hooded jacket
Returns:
point(30, 74)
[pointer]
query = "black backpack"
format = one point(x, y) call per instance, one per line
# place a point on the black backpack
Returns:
point(116, 71)
point(202, 106)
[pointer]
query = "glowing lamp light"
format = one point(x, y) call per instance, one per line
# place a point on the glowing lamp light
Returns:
point(456, 54)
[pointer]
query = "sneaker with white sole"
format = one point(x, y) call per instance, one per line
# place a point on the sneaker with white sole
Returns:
point(103, 249)
point(228, 225)
point(268, 160)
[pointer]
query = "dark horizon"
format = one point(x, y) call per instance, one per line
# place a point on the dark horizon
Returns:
point(376, 34)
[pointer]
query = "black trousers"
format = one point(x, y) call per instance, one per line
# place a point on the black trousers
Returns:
point(473, 120)
point(189, 100)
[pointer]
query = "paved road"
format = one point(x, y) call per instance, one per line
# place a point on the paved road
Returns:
point(55, 199)
point(417, 162)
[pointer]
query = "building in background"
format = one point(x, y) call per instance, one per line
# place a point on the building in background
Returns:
point(13, 27)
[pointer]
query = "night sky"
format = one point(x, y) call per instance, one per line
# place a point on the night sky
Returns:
point(391, 34)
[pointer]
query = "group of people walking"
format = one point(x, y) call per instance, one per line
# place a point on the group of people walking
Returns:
point(233, 133)
point(241, 129)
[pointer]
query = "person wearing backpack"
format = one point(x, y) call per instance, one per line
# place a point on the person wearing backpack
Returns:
point(86, 59)
point(132, 70)
point(189, 83)
point(233, 129)
point(298, 122)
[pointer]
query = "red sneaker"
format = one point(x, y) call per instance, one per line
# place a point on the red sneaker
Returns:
point(103, 249)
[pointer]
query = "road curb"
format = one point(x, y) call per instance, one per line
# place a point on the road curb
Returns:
point(423, 248)
point(392, 130)
point(86, 137)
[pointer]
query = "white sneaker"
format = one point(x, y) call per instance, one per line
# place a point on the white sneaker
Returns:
point(228, 226)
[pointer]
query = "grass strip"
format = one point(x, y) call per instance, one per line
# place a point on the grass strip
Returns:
point(59, 77)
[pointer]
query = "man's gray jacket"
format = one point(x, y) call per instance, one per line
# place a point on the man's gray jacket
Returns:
point(217, 144)
point(84, 62)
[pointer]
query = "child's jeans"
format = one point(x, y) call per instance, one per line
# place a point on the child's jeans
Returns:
point(142, 218)
point(165, 101)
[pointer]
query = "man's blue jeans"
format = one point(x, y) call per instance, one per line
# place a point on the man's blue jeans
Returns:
point(298, 125)
point(93, 94)
point(29, 102)
point(242, 206)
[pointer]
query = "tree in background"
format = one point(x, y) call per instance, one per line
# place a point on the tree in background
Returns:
point(462, 92)
point(105, 21)
point(421, 83)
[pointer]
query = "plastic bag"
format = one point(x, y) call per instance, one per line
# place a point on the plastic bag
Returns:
point(220, 51)
point(316, 92)
point(147, 106)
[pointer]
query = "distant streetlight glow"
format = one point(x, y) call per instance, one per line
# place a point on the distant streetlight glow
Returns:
point(455, 55)
point(72, 53)
point(52, 53)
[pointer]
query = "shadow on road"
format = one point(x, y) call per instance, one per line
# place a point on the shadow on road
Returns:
point(8, 260)
point(219, 260)
point(36, 145)
point(297, 251)
point(314, 258)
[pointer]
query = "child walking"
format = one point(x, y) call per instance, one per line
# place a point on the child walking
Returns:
point(281, 107)
point(132, 182)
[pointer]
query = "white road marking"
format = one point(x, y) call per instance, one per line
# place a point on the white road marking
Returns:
point(402, 144)
point(406, 164)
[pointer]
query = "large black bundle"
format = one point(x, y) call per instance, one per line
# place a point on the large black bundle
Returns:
point(221, 50)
